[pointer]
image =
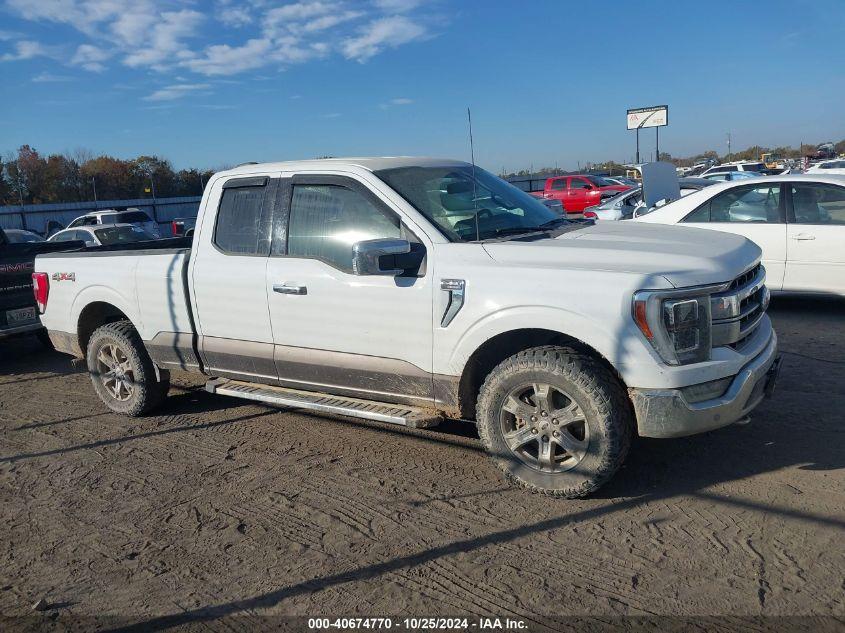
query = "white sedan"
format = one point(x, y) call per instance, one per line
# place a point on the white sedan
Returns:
point(836, 166)
point(797, 220)
point(107, 235)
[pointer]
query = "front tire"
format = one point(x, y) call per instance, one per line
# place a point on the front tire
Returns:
point(555, 420)
point(122, 372)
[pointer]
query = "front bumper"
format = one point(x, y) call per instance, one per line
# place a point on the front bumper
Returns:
point(666, 413)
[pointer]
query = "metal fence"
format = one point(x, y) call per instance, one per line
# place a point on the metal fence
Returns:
point(40, 218)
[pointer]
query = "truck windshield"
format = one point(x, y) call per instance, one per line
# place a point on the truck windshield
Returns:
point(468, 206)
point(598, 181)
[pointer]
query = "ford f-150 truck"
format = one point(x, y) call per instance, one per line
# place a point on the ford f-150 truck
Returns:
point(406, 290)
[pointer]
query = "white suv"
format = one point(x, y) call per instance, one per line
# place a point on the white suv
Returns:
point(132, 216)
point(736, 166)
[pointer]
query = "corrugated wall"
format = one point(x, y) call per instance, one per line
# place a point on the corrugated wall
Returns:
point(35, 217)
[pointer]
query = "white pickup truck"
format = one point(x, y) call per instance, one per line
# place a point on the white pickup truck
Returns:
point(407, 290)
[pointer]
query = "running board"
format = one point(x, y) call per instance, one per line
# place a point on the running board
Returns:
point(413, 417)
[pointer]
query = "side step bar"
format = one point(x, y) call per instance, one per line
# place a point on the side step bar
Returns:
point(413, 417)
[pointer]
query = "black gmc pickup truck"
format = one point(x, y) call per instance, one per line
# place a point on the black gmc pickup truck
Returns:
point(18, 314)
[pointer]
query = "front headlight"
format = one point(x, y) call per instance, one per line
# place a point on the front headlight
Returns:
point(677, 324)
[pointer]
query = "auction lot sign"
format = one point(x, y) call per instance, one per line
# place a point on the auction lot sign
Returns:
point(654, 116)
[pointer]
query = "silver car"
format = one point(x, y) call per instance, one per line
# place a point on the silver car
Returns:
point(107, 235)
point(630, 203)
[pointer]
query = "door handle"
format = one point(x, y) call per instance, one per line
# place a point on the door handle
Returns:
point(803, 236)
point(286, 289)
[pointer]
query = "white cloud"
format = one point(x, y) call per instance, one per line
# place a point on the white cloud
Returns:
point(50, 78)
point(166, 40)
point(300, 11)
point(397, 6)
point(400, 101)
point(330, 21)
point(235, 17)
point(223, 59)
point(161, 36)
point(90, 57)
point(380, 34)
point(176, 91)
point(26, 49)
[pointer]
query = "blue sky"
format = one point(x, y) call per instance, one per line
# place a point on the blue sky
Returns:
point(210, 83)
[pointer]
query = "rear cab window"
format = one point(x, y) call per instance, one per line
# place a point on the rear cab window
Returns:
point(243, 222)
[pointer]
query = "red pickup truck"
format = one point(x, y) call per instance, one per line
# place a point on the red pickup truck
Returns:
point(578, 192)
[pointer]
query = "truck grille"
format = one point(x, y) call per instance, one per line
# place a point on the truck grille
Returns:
point(737, 311)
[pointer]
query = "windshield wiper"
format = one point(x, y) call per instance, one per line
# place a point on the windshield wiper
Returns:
point(554, 222)
point(515, 230)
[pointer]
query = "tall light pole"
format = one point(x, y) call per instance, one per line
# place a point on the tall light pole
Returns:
point(94, 185)
point(729, 146)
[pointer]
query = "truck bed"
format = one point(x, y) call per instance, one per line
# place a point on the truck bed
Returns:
point(146, 281)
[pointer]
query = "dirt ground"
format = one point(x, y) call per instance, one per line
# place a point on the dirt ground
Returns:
point(219, 514)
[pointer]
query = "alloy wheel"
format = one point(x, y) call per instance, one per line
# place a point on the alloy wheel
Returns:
point(544, 427)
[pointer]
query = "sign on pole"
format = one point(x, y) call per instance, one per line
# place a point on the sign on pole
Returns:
point(655, 116)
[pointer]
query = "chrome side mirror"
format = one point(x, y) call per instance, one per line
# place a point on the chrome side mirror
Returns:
point(366, 256)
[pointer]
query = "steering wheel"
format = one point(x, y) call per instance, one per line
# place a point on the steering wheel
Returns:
point(484, 213)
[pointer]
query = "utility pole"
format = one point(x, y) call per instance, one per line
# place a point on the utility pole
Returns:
point(657, 141)
point(638, 145)
point(94, 185)
point(729, 146)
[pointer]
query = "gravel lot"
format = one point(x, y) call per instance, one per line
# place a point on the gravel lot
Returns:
point(221, 514)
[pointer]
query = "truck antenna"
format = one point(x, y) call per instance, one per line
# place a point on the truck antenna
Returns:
point(472, 158)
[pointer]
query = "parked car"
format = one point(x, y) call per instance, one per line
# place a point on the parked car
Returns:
point(21, 236)
point(622, 180)
point(836, 166)
point(724, 176)
point(755, 166)
point(18, 314)
point(405, 290)
point(110, 216)
point(628, 203)
point(183, 227)
point(578, 192)
point(797, 220)
point(105, 235)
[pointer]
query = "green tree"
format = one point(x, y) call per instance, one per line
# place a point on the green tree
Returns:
point(5, 187)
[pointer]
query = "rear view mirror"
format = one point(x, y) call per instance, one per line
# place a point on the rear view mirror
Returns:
point(366, 256)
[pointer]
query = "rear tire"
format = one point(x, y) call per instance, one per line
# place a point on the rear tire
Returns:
point(122, 372)
point(555, 420)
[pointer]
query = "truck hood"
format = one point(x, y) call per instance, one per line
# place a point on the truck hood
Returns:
point(683, 256)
